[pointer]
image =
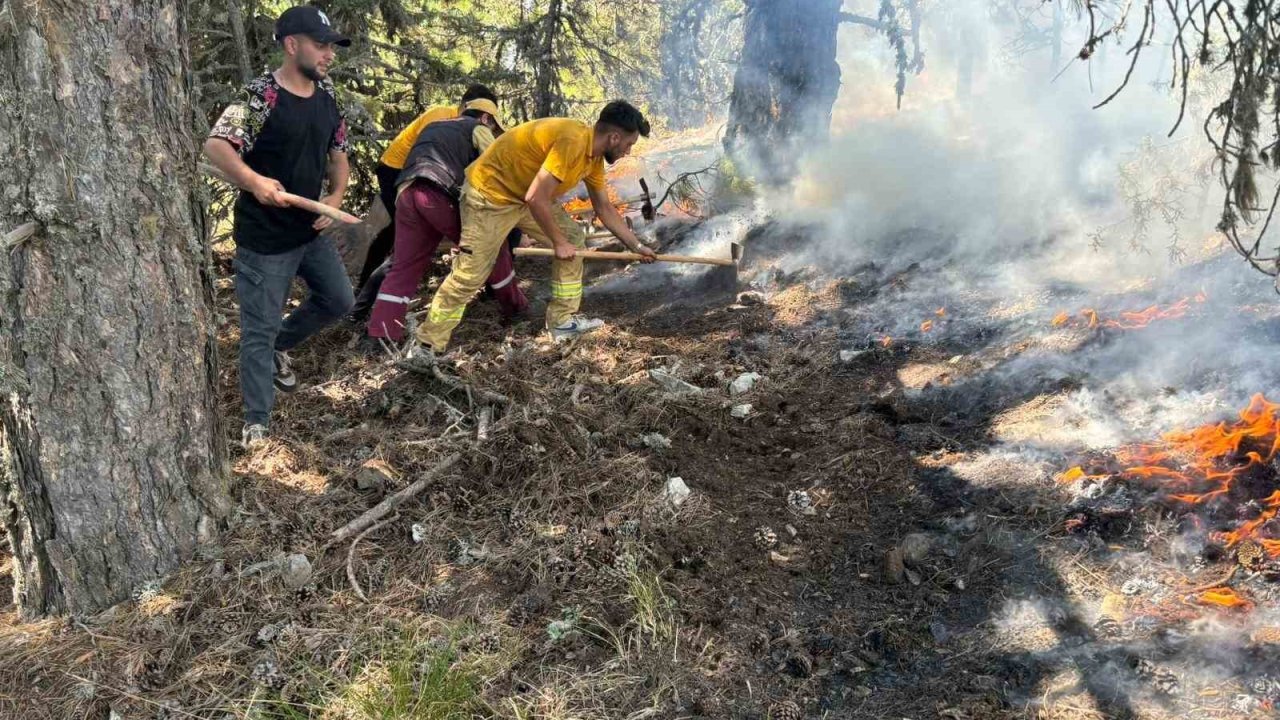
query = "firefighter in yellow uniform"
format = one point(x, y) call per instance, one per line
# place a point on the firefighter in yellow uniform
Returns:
point(515, 184)
point(387, 171)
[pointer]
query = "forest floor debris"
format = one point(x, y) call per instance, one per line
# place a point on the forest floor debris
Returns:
point(545, 570)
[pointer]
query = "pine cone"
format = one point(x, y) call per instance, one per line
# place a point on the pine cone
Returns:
point(517, 520)
point(267, 673)
point(759, 643)
point(1161, 680)
point(524, 610)
point(1107, 628)
point(305, 593)
point(463, 502)
point(490, 643)
point(435, 598)
point(624, 565)
point(799, 501)
point(1250, 555)
point(562, 570)
point(459, 551)
point(799, 665)
point(766, 538)
point(786, 710)
point(581, 544)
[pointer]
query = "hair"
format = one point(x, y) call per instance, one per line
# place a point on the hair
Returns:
point(624, 116)
point(476, 91)
point(478, 114)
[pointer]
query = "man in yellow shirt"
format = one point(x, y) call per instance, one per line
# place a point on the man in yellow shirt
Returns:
point(515, 184)
point(388, 169)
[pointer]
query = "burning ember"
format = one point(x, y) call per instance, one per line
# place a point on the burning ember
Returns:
point(1132, 320)
point(927, 325)
point(631, 169)
point(578, 206)
point(1226, 468)
point(1223, 597)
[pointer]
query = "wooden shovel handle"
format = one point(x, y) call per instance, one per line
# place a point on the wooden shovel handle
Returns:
point(606, 255)
point(297, 201)
point(320, 208)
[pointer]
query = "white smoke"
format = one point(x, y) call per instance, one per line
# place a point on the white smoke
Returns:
point(1019, 160)
point(1009, 201)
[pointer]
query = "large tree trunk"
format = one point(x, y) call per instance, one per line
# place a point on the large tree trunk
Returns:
point(235, 17)
point(786, 83)
point(547, 95)
point(111, 455)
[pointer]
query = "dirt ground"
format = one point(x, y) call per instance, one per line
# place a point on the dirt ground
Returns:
point(846, 551)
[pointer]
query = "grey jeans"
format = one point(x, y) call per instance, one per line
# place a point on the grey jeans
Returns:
point(262, 286)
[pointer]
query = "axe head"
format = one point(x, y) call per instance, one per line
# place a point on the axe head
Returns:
point(647, 210)
point(735, 252)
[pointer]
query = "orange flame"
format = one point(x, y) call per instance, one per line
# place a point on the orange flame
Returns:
point(1132, 320)
point(577, 206)
point(1224, 597)
point(926, 326)
point(886, 341)
point(1204, 463)
point(1077, 473)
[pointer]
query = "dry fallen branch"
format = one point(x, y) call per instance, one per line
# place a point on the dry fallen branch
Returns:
point(351, 555)
point(459, 384)
point(381, 510)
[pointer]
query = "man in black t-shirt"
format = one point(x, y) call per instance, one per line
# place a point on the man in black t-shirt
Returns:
point(287, 135)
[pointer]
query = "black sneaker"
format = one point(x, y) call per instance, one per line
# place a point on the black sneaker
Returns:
point(284, 378)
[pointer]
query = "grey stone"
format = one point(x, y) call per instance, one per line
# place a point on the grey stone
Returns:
point(744, 383)
point(295, 571)
point(677, 491)
point(672, 384)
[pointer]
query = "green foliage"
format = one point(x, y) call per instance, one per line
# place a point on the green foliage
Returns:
point(542, 57)
point(699, 49)
point(405, 675)
point(735, 185)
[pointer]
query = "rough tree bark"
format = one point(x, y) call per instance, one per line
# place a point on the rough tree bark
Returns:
point(787, 81)
point(235, 16)
point(111, 454)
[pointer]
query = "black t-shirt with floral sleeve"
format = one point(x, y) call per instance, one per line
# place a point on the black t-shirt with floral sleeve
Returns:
point(287, 138)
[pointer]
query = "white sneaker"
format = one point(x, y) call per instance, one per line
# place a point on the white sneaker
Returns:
point(253, 436)
point(284, 378)
point(574, 327)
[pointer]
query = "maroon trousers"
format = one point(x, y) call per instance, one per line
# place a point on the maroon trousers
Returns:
point(425, 216)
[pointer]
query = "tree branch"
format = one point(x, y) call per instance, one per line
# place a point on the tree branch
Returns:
point(381, 510)
point(862, 20)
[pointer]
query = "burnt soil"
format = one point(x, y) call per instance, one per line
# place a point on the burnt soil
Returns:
point(767, 597)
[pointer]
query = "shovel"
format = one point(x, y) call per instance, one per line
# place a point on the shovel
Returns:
point(729, 276)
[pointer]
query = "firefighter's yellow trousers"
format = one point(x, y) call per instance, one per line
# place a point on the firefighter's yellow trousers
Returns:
point(485, 226)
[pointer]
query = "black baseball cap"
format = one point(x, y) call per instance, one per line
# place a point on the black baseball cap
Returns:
point(310, 21)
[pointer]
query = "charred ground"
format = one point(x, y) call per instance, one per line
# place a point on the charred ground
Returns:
point(851, 548)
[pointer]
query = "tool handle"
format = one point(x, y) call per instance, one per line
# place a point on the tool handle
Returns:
point(297, 201)
point(606, 255)
point(320, 208)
